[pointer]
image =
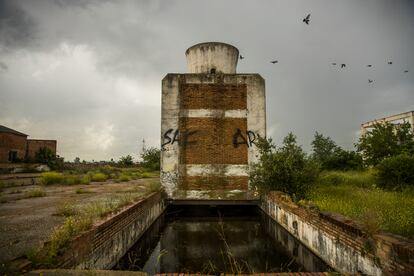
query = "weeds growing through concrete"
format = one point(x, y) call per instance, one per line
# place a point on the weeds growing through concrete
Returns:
point(78, 220)
point(154, 186)
point(67, 209)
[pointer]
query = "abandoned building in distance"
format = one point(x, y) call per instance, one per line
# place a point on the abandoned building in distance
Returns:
point(211, 118)
point(393, 119)
point(15, 146)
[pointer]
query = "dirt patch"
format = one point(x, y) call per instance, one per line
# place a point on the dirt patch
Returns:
point(28, 222)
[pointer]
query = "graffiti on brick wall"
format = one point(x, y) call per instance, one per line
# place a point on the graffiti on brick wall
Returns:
point(171, 136)
point(240, 138)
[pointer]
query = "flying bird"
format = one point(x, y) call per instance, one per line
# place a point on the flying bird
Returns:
point(390, 62)
point(241, 57)
point(343, 65)
point(306, 19)
point(405, 71)
point(369, 65)
point(274, 61)
point(370, 81)
point(333, 63)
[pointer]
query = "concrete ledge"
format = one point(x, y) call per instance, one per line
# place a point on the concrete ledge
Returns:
point(213, 202)
point(103, 245)
point(80, 272)
point(340, 242)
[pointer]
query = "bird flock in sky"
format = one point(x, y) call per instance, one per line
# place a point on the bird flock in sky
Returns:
point(306, 20)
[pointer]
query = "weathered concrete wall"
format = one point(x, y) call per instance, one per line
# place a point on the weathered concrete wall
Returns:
point(209, 125)
point(296, 250)
point(341, 243)
point(216, 56)
point(107, 242)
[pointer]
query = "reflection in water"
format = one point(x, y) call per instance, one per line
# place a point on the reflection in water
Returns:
point(230, 239)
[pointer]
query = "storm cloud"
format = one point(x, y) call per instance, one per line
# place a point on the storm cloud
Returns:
point(88, 73)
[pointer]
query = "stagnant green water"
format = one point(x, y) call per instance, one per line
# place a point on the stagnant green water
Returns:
point(211, 240)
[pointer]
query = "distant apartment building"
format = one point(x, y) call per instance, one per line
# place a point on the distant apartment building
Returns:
point(393, 119)
point(14, 145)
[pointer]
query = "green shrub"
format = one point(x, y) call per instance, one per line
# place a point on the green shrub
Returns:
point(126, 161)
point(46, 156)
point(151, 159)
point(285, 169)
point(86, 179)
point(343, 160)
point(99, 177)
point(48, 178)
point(109, 170)
point(37, 192)
point(124, 177)
point(396, 172)
point(146, 175)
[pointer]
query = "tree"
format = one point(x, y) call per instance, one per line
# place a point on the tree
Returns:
point(332, 157)
point(151, 158)
point(386, 140)
point(46, 156)
point(344, 160)
point(285, 169)
point(76, 160)
point(324, 148)
point(126, 161)
point(396, 172)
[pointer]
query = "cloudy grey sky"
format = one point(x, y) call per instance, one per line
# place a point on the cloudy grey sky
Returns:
point(88, 73)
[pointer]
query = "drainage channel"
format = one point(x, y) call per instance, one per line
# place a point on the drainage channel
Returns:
point(211, 238)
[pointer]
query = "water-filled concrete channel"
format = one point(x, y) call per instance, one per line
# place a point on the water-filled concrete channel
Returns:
point(216, 239)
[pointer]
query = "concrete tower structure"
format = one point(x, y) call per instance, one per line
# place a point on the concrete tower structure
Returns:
point(210, 121)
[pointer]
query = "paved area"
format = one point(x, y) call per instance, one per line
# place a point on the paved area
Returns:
point(28, 222)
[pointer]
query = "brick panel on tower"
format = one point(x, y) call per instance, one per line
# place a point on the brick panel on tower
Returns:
point(210, 121)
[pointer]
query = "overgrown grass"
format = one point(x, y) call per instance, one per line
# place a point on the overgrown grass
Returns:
point(37, 192)
point(73, 177)
point(99, 177)
point(154, 186)
point(48, 178)
point(124, 177)
point(354, 194)
point(363, 179)
point(82, 191)
point(67, 209)
point(78, 220)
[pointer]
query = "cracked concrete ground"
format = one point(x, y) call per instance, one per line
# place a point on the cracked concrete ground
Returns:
point(28, 222)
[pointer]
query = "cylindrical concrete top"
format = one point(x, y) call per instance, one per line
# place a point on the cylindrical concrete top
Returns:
point(212, 57)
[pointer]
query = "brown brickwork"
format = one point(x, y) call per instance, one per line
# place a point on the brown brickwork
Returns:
point(12, 142)
point(216, 182)
point(213, 96)
point(34, 146)
point(211, 141)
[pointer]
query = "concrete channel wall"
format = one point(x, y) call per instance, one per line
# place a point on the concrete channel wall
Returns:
point(107, 242)
point(340, 242)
